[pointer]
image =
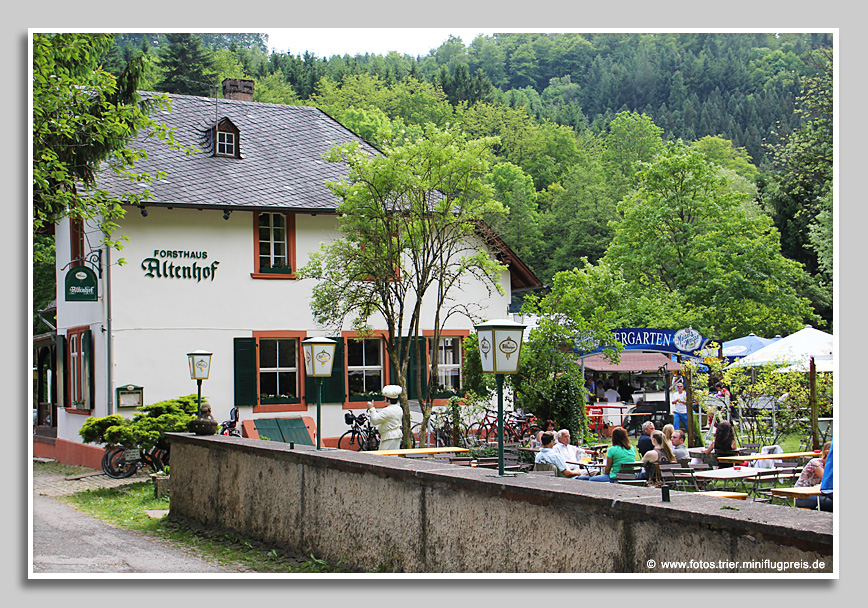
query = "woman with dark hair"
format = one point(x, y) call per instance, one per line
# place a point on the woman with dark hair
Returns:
point(661, 454)
point(619, 453)
point(723, 443)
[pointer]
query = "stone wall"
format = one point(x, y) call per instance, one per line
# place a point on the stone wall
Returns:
point(367, 511)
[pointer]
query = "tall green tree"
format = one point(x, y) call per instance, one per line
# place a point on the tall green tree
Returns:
point(409, 221)
point(683, 234)
point(800, 196)
point(188, 67)
point(83, 119)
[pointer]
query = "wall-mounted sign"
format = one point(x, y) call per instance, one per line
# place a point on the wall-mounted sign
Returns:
point(682, 342)
point(80, 285)
point(169, 264)
point(130, 396)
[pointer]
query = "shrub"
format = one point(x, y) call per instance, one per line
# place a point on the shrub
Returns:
point(148, 426)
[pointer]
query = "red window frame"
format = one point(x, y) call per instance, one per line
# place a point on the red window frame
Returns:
point(301, 406)
point(386, 378)
point(290, 249)
point(444, 333)
point(75, 371)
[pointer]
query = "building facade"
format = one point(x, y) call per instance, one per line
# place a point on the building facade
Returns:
point(211, 265)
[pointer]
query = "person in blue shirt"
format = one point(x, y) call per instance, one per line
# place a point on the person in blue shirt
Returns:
point(826, 484)
point(549, 455)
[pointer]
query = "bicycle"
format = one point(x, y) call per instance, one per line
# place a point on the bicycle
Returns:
point(120, 462)
point(516, 427)
point(440, 432)
point(361, 437)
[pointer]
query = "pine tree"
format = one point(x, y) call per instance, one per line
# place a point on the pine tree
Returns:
point(187, 66)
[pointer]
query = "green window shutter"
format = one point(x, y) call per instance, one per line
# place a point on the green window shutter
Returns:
point(412, 366)
point(294, 430)
point(268, 429)
point(60, 365)
point(333, 390)
point(87, 369)
point(245, 371)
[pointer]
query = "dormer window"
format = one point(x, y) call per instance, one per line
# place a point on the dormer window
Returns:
point(226, 139)
point(225, 143)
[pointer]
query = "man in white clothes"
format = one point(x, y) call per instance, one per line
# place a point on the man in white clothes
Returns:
point(570, 452)
point(679, 406)
point(388, 419)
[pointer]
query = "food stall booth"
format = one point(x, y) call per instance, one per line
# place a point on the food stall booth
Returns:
point(642, 377)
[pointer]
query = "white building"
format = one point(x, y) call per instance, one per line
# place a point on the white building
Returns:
point(210, 264)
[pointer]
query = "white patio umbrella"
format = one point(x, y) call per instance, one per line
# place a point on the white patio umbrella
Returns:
point(795, 349)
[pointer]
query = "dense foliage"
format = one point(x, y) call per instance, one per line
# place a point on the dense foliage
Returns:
point(147, 427)
point(575, 117)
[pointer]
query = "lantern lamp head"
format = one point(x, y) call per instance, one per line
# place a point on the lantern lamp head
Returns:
point(500, 345)
point(319, 356)
point(200, 364)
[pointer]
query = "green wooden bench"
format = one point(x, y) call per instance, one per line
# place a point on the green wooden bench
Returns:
point(300, 430)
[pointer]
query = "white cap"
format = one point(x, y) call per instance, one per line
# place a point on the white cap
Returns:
point(392, 391)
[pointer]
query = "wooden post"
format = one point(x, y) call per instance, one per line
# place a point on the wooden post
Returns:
point(691, 435)
point(815, 426)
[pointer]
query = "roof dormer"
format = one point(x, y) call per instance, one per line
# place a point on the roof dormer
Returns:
point(222, 139)
point(227, 140)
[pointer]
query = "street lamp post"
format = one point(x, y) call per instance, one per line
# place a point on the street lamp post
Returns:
point(200, 367)
point(319, 356)
point(499, 349)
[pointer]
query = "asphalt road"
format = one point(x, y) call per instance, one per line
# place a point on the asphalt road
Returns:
point(68, 541)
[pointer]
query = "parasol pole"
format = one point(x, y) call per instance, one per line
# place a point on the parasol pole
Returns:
point(815, 427)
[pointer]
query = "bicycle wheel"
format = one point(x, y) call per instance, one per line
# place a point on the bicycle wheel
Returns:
point(115, 465)
point(529, 433)
point(372, 444)
point(486, 433)
point(349, 441)
point(155, 460)
point(416, 432)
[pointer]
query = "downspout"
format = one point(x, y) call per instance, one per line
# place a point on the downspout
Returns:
point(107, 307)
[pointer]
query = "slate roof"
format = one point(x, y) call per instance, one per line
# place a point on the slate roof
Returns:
point(281, 165)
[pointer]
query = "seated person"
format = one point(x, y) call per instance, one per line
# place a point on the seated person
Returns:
point(723, 443)
point(645, 443)
point(824, 472)
point(619, 453)
point(678, 448)
point(549, 455)
point(568, 451)
point(661, 454)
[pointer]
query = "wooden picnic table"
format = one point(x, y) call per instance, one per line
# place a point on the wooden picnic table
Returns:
point(752, 457)
point(725, 494)
point(415, 451)
point(732, 474)
point(800, 492)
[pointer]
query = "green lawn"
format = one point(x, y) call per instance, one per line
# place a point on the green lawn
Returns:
point(126, 506)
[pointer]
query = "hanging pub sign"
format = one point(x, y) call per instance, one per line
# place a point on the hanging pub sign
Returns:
point(80, 285)
point(681, 342)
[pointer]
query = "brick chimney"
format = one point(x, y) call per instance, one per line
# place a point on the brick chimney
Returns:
point(237, 89)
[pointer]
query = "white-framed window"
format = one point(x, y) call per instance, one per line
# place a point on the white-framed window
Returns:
point(449, 364)
point(273, 244)
point(278, 369)
point(225, 143)
point(364, 366)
